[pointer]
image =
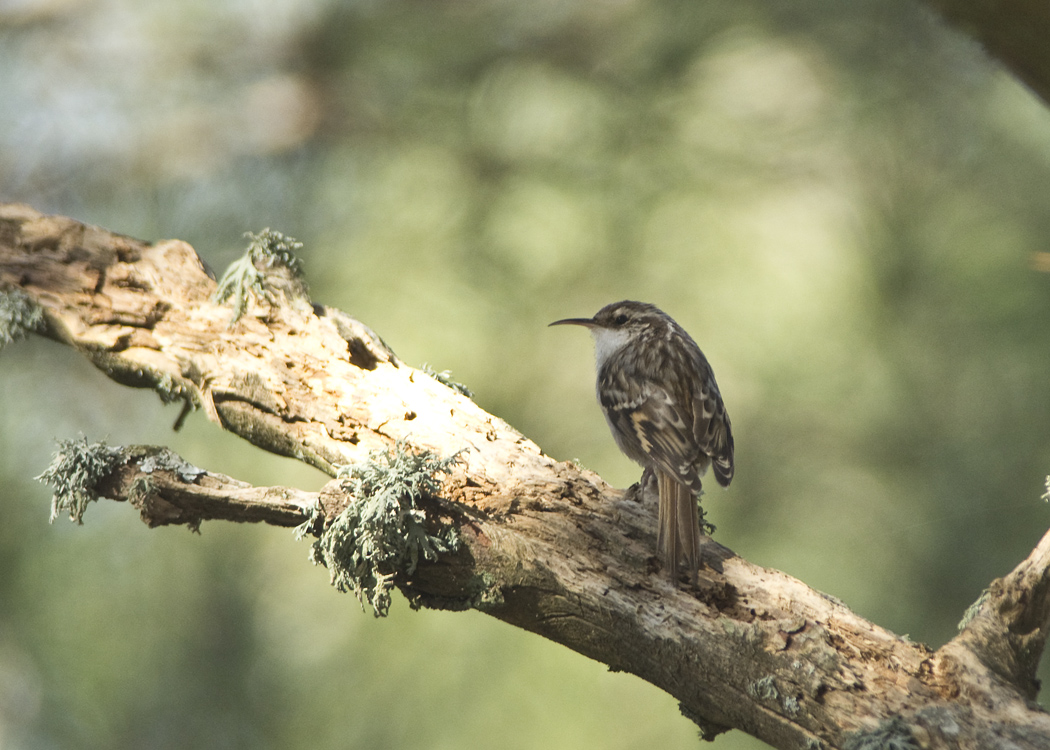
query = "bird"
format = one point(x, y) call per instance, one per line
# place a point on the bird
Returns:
point(659, 396)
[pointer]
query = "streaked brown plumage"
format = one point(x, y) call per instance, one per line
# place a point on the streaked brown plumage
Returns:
point(663, 406)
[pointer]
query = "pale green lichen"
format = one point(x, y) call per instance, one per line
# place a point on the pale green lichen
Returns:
point(164, 459)
point(445, 378)
point(764, 689)
point(384, 531)
point(314, 523)
point(74, 473)
point(486, 595)
point(172, 390)
point(19, 316)
point(142, 489)
point(972, 610)
point(707, 527)
point(891, 734)
point(253, 274)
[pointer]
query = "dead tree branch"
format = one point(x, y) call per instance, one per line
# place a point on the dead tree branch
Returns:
point(541, 544)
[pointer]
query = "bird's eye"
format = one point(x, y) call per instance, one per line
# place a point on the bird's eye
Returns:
point(620, 319)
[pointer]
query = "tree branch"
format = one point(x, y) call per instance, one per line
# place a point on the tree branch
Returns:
point(544, 545)
point(1008, 625)
point(167, 490)
point(1013, 31)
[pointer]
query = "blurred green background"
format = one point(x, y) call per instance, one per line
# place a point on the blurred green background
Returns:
point(841, 201)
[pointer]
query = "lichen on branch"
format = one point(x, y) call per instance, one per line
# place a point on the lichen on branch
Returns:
point(384, 531)
point(268, 269)
point(19, 316)
point(75, 472)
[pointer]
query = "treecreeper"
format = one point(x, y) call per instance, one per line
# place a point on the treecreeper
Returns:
point(662, 403)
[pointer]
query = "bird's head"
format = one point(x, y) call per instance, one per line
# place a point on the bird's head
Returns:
point(616, 324)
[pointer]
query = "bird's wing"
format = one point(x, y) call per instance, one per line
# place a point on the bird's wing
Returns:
point(652, 427)
point(712, 430)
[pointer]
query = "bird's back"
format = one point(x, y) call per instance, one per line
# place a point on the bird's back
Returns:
point(663, 405)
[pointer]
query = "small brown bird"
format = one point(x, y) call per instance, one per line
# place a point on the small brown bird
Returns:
point(662, 404)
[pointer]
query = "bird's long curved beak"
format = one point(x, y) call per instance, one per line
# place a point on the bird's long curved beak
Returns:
point(587, 322)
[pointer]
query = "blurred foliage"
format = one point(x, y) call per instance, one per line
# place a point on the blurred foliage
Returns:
point(839, 200)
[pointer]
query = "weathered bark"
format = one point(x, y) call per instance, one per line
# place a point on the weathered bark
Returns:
point(546, 545)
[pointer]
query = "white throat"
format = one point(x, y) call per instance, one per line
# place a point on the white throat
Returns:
point(607, 342)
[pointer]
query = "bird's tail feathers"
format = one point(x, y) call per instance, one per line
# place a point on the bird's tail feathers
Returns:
point(678, 518)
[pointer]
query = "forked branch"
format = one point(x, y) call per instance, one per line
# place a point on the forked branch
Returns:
point(503, 528)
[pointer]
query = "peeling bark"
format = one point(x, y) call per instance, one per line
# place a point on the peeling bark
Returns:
point(545, 545)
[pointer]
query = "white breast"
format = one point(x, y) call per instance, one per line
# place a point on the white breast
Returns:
point(607, 342)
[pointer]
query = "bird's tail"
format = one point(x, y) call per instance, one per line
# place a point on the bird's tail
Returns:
point(678, 536)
